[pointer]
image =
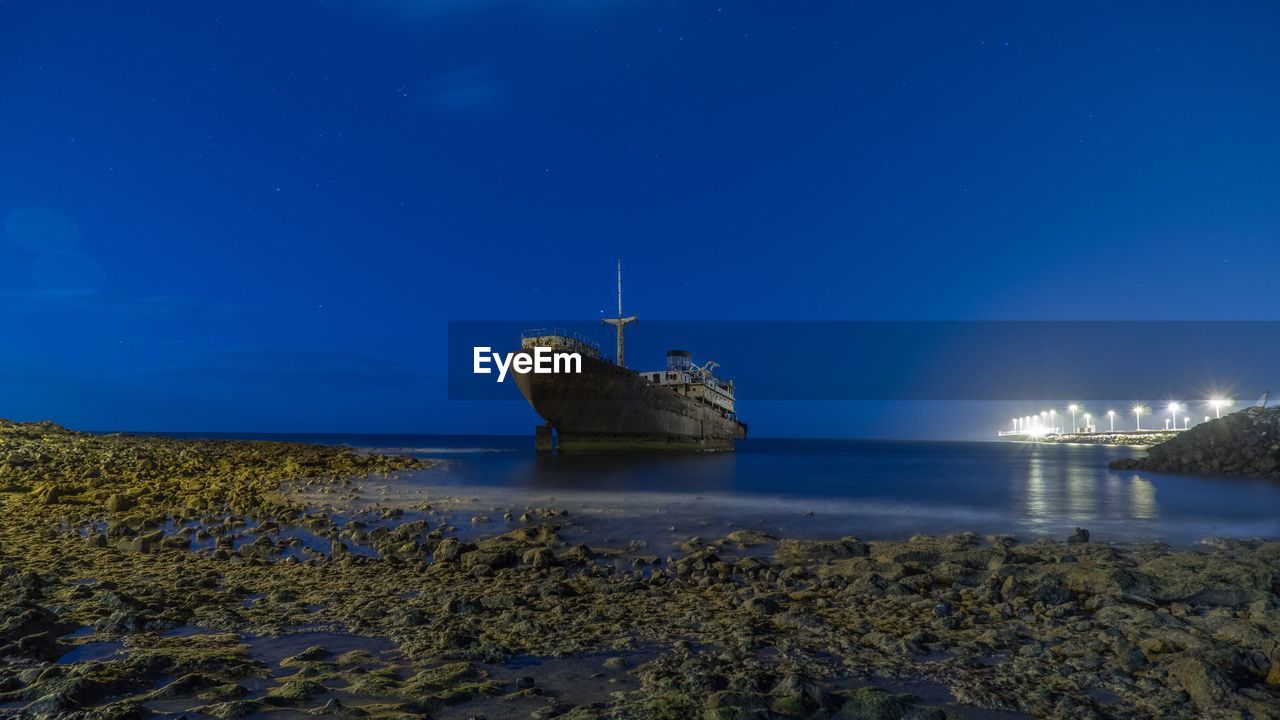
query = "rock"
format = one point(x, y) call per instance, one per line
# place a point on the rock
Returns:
point(1241, 443)
point(294, 692)
point(450, 550)
point(792, 550)
point(334, 708)
point(735, 705)
point(495, 559)
point(795, 695)
point(764, 605)
point(117, 503)
point(1206, 684)
point(539, 558)
point(749, 538)
point(230, 710)
point(1127, 656)
point(314, 653)
point(578, 555)
point(1078, 537)
point(147, 543)
point(50, 495)
point(871, 704)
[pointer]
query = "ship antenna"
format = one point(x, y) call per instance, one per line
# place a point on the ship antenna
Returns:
point(620, 321)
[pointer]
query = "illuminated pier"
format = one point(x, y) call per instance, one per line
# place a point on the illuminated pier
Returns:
point(1053, 423)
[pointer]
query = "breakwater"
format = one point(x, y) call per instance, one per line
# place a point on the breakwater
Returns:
point(1138, 438)
point(1242, 443)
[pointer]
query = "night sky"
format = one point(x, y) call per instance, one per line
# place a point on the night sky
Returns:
point(261, 216)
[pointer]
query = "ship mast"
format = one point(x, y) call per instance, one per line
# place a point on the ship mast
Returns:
point(620, 321)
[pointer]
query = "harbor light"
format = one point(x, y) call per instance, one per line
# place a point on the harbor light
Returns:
point(1219, 403)
point(1053, 418)
point(1137, 417)
point(1173, 414)
point(1073, 408)
point(1086, 421)
point(1186, 423)
point(1111, 414)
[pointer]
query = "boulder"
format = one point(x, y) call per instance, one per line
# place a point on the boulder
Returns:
point(117, 503)
point(1207, 685)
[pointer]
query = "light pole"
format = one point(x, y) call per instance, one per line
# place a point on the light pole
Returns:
point(1111, 414)
point(1053, 418)
point(1186, 423)
point(1086, 421)
point(1218, 404)
point(1137, 417)
point(1073, 409)
point(1173, 415)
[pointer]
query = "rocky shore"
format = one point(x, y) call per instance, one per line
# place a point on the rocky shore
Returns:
point(146, 576)
point(1246, 442)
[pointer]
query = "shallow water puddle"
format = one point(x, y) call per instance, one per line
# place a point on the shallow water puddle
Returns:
point(271, 650)
point(92, 651)
point(539, 682)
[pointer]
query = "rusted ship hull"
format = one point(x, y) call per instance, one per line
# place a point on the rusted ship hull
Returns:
point(607, 408)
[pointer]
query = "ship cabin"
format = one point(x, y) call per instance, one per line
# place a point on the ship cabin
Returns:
point(559, 339)
point(684, 377)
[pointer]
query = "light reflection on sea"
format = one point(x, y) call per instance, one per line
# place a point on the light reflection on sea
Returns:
point(873, 489)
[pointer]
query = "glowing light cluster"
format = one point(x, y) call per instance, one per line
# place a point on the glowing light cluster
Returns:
point(1045, 422)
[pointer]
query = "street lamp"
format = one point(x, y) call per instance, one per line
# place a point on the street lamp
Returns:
point(1053, 418)
point(1173, 414)
point(1186, 423)
point(1073, 409)
point(1111, 414)
point(1218, 403)
point(1086, 421)
point(1137, 415)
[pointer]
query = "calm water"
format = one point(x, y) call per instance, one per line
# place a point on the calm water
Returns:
point(874, 489)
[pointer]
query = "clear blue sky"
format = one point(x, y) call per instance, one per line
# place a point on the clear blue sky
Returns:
point(260, 216)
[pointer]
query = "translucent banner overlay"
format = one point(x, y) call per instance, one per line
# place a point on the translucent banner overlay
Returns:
point(920, 360)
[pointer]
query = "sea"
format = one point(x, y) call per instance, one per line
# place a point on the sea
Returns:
point(871, 489)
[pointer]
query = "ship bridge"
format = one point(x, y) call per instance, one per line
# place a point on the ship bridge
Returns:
point(686, 378)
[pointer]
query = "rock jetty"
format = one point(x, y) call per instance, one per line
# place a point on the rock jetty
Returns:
point(1246, 442)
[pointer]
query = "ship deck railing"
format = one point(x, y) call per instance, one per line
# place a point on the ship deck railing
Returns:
point(574, 338)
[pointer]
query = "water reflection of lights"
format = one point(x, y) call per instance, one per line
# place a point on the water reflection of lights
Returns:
point(1055, 492)
point(1081, 502)
point(1037, 497)
point(1142, 496)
